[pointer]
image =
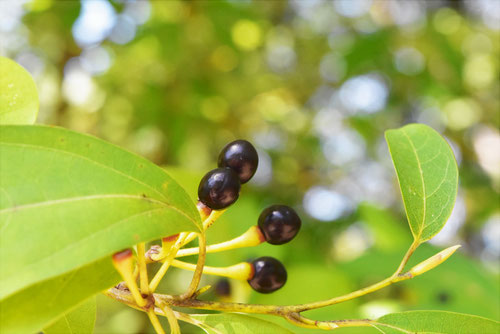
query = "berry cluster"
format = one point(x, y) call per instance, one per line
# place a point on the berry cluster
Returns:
point(237, 163)
point(277, 224)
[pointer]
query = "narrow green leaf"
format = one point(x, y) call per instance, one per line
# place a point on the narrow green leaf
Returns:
point(428, 177)
point(232, 323)
point(436, 322)
point(68, 199)
point(81, 320)
point(18, 94)
point(37, 306)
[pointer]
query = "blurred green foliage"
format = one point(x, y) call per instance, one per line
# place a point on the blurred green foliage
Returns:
point(314, 84)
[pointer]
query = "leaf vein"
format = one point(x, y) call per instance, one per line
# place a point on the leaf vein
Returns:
point(90, 160)
point(79, 198)
point(442, 181)
point(93, 235)
point(432, 159)
point(421, 178)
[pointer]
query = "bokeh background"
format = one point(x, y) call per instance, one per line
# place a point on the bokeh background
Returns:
point(314, 85)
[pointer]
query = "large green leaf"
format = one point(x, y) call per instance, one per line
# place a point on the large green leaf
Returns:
point(81, 320)
point(231, 323)
point(18, 94)
point(428, 177)
point(68, 199)
point(39, 305)
point(436, 322)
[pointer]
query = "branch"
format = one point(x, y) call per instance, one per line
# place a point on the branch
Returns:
point(161, 301)
point(396, 277)
point(292, 312)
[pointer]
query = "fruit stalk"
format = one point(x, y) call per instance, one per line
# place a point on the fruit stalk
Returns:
point(240, 271)
point(207, 222)
point(143, 271)
point(123, 263)
point(252, 237)
point(202, 250)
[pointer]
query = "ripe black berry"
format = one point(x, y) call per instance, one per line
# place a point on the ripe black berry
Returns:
point(279, 224)
point(219, 188)
point(241, 157)
point(269, 275)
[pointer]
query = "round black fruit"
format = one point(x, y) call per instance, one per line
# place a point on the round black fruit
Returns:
point(219, 188)
point(269, 275)
point(241, 157)
point(279, 224)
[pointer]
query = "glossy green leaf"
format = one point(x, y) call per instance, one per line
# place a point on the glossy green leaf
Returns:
point(37, 306)
point(428, 177)
point(437, 322)
point(231, 323)
point(69, 199)
point(18, 94)
point(81, 320)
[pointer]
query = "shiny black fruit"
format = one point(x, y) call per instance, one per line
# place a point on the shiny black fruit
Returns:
point(279, 224)
point(241, 157)
point(219, 188)
point(269, 275)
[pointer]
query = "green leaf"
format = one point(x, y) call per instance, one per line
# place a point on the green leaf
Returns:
point(231, 323)
point(428, 177)
point(436, 322)
point(18, 94)
point(39, 305)
point(68, 199)
point(81, 320)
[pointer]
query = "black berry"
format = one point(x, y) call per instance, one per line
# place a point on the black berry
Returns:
point(219, 188)
point(279, 224)
point(269, 275)
point(241, 157)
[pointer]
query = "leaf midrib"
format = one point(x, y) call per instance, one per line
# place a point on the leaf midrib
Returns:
point(91, 197)
point(402, 330)
point(414, 150)
point(375, 324)
point(90, 160)
point(105, 166)
point(79, 198)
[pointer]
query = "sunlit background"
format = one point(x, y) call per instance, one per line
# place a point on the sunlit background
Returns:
point(314, 85)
